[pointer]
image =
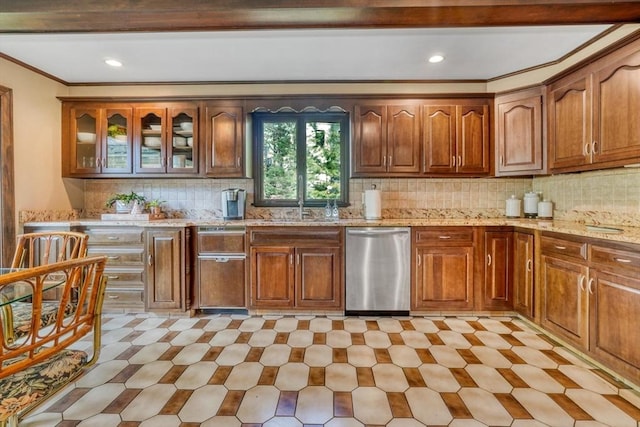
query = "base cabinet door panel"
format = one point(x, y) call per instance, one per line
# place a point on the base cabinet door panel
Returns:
point(444, 278)
point(222, 282)
point(165, 270)
point(272, 276)
point(615, 307)
point(498, 282)
point(523, 274)
point(565, 309)
point(318, 277)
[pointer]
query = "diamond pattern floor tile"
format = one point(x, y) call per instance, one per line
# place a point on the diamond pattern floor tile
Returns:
point(307, 371)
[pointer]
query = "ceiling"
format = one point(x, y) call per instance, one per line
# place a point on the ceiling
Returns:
point(202, 41)
point(478, 53)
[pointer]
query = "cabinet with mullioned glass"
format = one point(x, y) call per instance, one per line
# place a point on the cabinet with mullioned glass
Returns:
point(97, 139)
point(165, 139)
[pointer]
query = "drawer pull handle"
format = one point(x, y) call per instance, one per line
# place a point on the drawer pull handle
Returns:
point(591, 282)
point(222, 259)
point(113, 257)
point(623, 260)
point(562, 248)
point(113, 277)
point(581, 282)
point(489, 259)
point(114, 296)
point(529, 264)
point(150, 260)
point(113, 238)
point(419, 260)
point(444, 237)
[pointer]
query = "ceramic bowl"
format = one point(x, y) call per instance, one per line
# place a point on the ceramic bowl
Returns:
point(179, 141)
point(152, 141)
point(86, 137)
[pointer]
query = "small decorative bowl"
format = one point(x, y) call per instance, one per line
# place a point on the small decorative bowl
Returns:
point(86, 137)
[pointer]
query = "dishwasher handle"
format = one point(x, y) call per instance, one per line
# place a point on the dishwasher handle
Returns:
point(374, 233)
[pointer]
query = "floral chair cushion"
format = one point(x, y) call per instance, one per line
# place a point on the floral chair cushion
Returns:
point(21, 390)
point(23, 312)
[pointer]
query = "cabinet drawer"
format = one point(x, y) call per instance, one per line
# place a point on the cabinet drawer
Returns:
point(115, 235)
point(316, 236)
point(126, 278)
point(444, 235)
point(615, 260)
point(124, 298)
point(119, 256)
point(568, 248)
point(216, 242)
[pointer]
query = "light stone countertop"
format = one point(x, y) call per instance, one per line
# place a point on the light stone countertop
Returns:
point(628, 234)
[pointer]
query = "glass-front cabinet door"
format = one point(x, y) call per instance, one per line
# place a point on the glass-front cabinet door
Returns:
point(151, 148)
point(116, 155)
point(100, 141)
point(183, 144)
point(167, 140)
point(84, 147)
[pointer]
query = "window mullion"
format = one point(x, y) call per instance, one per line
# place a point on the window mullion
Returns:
point(301, 158)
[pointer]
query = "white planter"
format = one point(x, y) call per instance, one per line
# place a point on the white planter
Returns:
point(123, 207)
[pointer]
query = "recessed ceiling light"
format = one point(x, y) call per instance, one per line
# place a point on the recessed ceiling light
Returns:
point(436, 58)
point(113, 62)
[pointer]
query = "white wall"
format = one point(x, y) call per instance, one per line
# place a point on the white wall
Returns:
point(36, 136)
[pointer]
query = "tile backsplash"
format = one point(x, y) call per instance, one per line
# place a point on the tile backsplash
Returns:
point(605, 197)
point(401, 198)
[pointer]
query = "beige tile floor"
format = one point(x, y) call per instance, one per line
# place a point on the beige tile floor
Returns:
point(279, 371)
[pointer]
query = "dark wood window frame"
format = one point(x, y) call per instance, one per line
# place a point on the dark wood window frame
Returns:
point(7, 208)
point(258, 144)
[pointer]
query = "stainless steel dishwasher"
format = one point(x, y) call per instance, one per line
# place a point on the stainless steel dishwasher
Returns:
point(378, 270)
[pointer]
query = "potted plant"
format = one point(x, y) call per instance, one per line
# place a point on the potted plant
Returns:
point(127, 203)
point(154, 206)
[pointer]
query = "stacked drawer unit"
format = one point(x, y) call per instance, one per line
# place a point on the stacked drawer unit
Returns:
point(124, 249)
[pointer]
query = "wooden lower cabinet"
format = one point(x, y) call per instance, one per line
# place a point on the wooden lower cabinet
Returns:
point(565, 305)
point(272, 277)
point(297, 269)
point(498, 277)
point(443, 268)
point(165, 269)
point(125, 268)
point(524, 273)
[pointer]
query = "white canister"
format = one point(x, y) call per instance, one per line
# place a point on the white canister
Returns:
point(545, 209)
point(531, 200)
point(513, 207)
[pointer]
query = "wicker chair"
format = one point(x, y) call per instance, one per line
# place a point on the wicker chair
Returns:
point(39, 363)
point(36, 249)
point(33, 249)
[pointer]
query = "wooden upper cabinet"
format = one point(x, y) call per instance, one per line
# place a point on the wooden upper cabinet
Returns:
point(224, 140)
point(96, 140)
point(456, 139)
point(616, 128)
point(473, 139)
point(593, 114)
point(161, 138)
point(386, 140)
point(440, 139)
point(569, 130)
point(519, 133)
point(403, 139)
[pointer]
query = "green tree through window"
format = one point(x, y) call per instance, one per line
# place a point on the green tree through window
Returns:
point(295, 148)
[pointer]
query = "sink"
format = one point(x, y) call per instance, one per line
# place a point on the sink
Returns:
point(604, 229)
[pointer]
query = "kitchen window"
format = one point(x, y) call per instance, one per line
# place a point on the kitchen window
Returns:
point(301, 155)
